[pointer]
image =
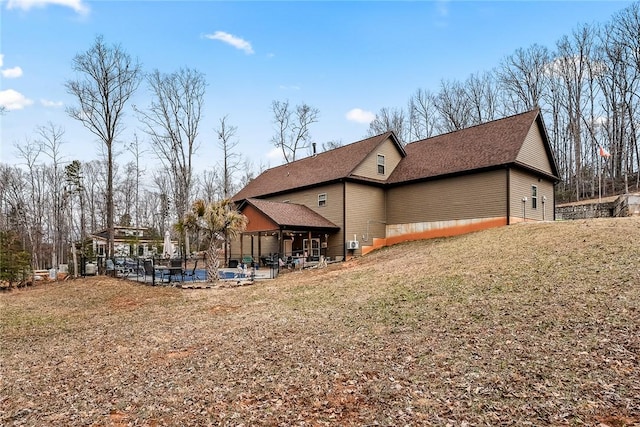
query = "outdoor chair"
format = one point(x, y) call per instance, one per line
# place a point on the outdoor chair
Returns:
point(175, 269)
point(192, 273)
point(149, 270)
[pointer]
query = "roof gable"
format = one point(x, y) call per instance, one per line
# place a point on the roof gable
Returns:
point(391, 156)
point(483, 146)
point(279, 214)
point(536, 151)
point(324, 167)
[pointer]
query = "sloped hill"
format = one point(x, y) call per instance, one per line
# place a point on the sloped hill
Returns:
point(529, 324)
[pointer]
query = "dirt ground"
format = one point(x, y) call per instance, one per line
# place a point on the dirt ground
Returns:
point(531, 324)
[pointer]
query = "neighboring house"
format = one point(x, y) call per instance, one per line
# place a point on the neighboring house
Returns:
point(129, 242)
point(375, 192)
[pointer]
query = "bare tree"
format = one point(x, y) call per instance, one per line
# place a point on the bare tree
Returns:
point(230, 160)
point(292, 127)
point(572, 63)
point(107, 77)
point(96, 193)
point(28, 203)
point(135, 148)
point(453, 105)
point(482, 94)
point(249, 172)
point(330, 145)
point(50, 140)
point(209, 185)
point(390, 119)
point(622, 57)
point(423, 115)
point(523, 77)
point(172, 122)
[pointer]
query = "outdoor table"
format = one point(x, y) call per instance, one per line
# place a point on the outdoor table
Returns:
point(170, 271)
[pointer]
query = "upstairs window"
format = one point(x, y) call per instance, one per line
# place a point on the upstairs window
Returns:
point(380, 164)
point(322, 199)
point(534, 197)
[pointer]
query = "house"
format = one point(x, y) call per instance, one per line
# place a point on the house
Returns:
point(376, 192)
point(128, 242)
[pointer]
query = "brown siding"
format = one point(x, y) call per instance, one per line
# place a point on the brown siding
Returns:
point(533, 152)
point(365, 214)
point(521, 183)
point(333, 211)
point(257, 221)
point(369, 167)
point(482, 195)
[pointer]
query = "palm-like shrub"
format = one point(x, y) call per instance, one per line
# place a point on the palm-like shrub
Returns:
point(218, 221)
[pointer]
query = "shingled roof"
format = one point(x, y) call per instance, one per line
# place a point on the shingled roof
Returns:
point(489, 145)
point(291, 215)
point(324, 167)
point(479, 147)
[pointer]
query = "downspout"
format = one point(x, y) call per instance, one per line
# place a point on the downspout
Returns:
point(508, 196)
point(344, 220)
point(553, 197)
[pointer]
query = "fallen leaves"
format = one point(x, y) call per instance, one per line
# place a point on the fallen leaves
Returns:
point(526, 325)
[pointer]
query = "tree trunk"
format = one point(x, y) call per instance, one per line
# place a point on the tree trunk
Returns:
point(110, 228)
point(213, 261)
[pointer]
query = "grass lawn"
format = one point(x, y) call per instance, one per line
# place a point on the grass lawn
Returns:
point(531, 324)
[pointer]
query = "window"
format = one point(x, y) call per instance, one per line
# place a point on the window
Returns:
point(534, 197)
point(380, 164)
point(322, 199)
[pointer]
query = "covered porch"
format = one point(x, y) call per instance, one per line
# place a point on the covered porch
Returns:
point(278, 231)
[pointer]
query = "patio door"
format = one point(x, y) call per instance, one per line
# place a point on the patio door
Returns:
point(314, 251)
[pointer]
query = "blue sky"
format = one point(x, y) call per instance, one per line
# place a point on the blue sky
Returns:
point(348, 59)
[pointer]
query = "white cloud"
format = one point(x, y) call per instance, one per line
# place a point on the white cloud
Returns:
point(78, 5)
point(11, 73)
point(275, 154)
point(12, 100)
point(360, 116)
point(291, 87)
point(52, 104)
point(232, 40)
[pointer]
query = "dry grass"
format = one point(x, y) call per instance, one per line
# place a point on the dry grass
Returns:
point(533, 324)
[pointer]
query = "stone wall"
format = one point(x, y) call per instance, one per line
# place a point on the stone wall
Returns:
point(623, 205)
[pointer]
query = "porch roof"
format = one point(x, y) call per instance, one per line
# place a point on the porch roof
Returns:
point(265, 215)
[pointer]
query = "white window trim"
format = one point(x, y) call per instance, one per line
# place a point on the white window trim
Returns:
point(322, 197)
point(383, 164)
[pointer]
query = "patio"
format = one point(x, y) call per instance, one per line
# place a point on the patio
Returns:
point(163, 275)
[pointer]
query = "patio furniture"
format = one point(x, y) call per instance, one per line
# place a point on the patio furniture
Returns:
point(192, 273)
point(149, 270)
point(174, 269)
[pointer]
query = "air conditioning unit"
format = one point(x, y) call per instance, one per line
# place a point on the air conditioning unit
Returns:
point(352, 244)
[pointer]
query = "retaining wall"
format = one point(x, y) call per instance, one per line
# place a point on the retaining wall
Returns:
point(623, 205)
